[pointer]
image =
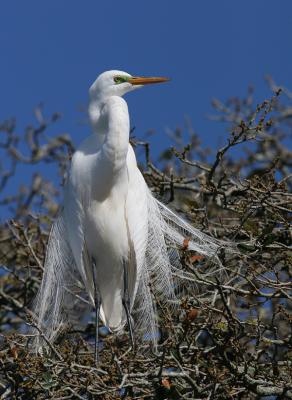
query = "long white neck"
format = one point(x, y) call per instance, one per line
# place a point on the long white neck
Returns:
point(97, 123)
point(110, 123)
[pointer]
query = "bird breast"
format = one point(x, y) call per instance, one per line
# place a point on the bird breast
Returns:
point(106, 228)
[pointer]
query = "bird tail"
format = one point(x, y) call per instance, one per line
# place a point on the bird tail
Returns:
point(162, 276)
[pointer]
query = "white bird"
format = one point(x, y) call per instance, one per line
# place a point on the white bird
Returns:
point(113, 238)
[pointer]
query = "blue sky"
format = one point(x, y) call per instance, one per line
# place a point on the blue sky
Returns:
point(51, 51)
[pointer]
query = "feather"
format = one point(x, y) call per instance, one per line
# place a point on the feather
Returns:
point(60, 293)
point(154, 278)
point(161, 270)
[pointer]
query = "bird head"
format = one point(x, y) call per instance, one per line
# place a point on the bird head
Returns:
point(117, 83)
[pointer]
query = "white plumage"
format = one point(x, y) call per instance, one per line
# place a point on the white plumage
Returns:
point(109, 220)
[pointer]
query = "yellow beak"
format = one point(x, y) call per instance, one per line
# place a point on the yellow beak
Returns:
point(141, 80)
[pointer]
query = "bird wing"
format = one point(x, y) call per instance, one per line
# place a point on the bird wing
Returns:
point(74, 221)
point(58, 299)
point(137, 220)
point(150, 252)
point(159, 270)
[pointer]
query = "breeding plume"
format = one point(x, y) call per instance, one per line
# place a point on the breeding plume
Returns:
point(113, 239)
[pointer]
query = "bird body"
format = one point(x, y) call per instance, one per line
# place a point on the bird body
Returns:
point(108, 234)
point(112, 235)
point(106, 184)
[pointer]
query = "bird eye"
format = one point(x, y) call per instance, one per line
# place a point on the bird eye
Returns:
point(119, 79)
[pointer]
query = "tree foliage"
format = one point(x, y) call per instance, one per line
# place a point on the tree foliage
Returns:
point(231, 335)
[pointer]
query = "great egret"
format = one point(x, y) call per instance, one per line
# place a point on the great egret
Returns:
point(112, 236)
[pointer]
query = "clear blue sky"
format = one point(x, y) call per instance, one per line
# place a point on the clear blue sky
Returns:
point(51, 51)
